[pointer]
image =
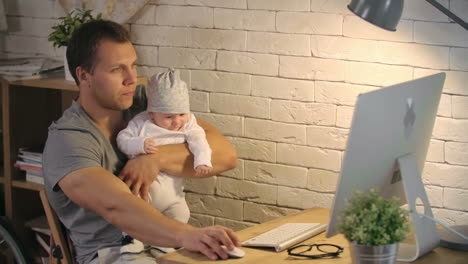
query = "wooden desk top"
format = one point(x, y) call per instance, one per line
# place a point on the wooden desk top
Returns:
point(319, 215)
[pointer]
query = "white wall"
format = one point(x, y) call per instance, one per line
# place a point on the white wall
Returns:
point(280, 78)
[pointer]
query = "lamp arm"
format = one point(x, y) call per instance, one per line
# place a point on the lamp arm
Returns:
point(448, 13)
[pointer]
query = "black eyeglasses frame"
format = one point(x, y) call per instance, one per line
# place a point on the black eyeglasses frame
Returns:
point(339, 250)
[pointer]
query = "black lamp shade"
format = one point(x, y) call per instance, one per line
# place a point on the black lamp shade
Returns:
point(382, 13)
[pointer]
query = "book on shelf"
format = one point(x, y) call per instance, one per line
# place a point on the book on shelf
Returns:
point(30, 161)
point(33, 153)
point(31, 177)
point(26, 165)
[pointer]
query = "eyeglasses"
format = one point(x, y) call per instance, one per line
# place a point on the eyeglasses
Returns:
point(325, 251)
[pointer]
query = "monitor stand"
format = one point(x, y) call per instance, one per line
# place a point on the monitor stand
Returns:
point(426, 235)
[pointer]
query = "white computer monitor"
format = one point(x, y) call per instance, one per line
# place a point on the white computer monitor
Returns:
point(386, 149)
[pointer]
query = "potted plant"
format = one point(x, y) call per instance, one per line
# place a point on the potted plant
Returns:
point(62, 32)
point(373, 226)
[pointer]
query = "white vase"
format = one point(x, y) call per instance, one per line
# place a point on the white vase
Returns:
point(362, 254)
point(68, 75)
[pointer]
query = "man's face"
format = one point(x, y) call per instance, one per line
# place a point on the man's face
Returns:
point(173, 122)
point(113, 80)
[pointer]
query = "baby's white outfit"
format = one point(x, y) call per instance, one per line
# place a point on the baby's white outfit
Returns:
point(167, 94)
point(166, 191)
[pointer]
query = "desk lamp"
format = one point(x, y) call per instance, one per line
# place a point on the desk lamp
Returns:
point(386, 14)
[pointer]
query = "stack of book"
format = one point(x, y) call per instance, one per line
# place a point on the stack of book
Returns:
point(30, 161)
point(29, 68)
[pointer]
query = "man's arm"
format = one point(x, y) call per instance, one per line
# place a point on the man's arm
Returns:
point(223, 157)
point(98, 190)
point(177, 160)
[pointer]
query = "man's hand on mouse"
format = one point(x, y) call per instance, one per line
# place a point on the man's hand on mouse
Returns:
point(208, 241)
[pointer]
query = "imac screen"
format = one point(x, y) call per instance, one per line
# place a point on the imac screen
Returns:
point(388, 123)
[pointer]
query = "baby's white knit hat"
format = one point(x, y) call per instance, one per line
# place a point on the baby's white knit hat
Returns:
point(168, 93)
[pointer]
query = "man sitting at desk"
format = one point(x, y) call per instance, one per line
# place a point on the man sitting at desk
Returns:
point(81, 160)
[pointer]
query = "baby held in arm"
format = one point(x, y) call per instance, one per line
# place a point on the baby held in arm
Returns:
point(167, 120)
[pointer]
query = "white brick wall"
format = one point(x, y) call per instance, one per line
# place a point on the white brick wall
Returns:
point(436, 151)
point(309, 23)
point(310, 157)
point(222, 82)
point(240, 4)
point(187, 58)
point(244, 19)
point(291, 5)
point(275, 174)
point(418, 10)
point(279, 88)
point(448, 34)
point(380, 51)
point(459, 59)
point(311, 68)
point(252, 63)
point(159, 35)
point(217, 39)
point(280, 79)
point(255, 149)
point(184, 16)
point(303, 113)
point(277, 43)
point(460, 8)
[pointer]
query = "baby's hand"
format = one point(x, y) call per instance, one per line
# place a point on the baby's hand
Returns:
point(150, 146)
point(202, 170)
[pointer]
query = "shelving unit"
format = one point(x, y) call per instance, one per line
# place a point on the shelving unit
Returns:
point(28, 108)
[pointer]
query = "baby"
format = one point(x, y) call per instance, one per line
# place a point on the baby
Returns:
point(167, 121)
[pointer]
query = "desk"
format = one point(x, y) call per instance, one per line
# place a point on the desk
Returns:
point(320, 215)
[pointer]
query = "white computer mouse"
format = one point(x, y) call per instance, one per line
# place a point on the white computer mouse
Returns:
point(235, 253)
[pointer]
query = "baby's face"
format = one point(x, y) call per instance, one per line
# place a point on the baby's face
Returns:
point(173, 122)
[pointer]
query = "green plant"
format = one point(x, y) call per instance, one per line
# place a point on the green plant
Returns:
point(61, 33)
point(372, 220)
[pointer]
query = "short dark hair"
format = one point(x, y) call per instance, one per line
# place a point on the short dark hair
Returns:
point(83, 45)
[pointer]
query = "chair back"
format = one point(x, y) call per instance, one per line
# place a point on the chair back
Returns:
point(62, 251)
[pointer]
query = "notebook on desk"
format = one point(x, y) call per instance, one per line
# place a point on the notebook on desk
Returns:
point(286, 235)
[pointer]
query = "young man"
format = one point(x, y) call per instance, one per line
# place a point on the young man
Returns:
point(82, 162)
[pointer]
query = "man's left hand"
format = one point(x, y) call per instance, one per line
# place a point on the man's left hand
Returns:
point(139, 173)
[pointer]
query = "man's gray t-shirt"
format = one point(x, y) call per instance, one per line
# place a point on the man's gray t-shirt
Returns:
point(74, 142)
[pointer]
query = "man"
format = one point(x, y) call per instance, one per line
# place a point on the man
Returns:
point(81, 160)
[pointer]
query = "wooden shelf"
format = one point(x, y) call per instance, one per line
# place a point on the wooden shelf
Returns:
point(28, 108)
point(27, 185)
point(57, 83)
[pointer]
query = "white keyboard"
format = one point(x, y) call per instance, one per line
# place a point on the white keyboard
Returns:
point(284, 236)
